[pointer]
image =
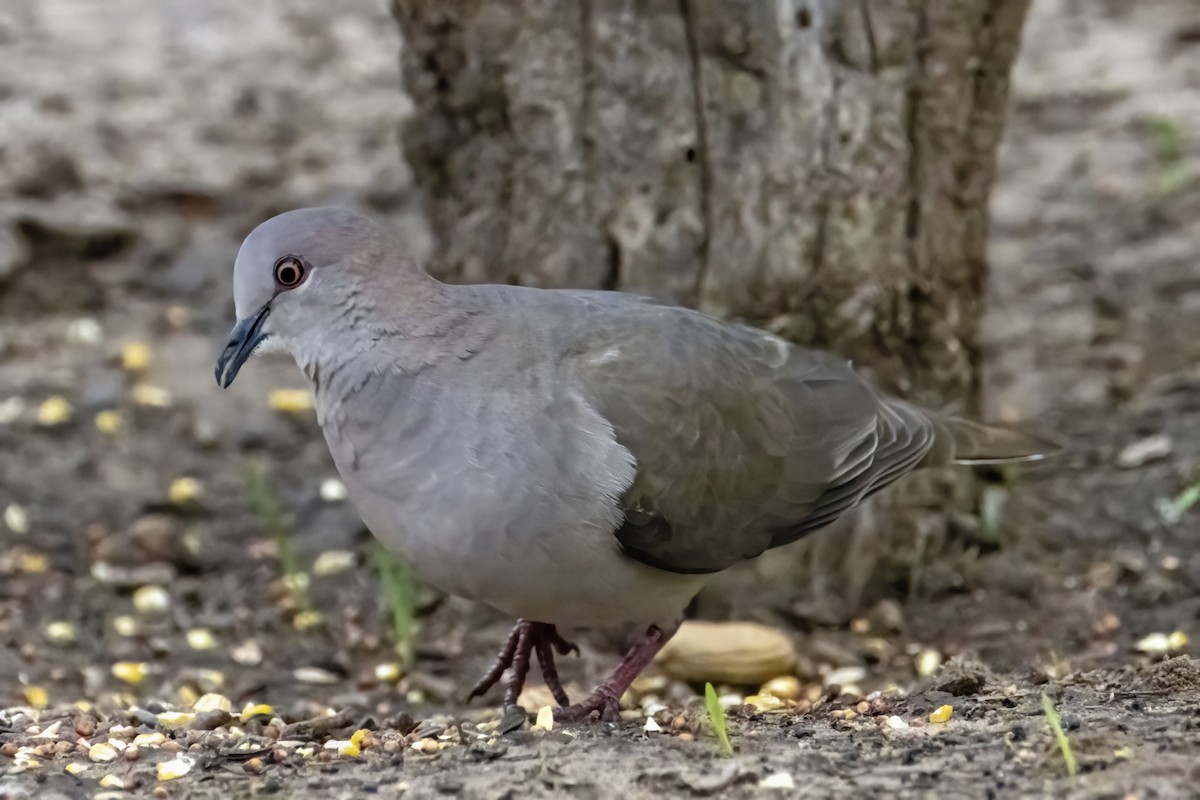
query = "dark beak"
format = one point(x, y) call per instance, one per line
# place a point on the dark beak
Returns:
point(243, 339)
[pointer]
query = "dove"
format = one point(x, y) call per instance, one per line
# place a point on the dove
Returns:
point(571, 458)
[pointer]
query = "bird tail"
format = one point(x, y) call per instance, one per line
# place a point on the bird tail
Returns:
point(973, 443)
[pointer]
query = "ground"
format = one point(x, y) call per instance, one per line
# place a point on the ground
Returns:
point(139, 148)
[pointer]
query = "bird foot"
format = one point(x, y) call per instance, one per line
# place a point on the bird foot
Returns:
point(525, 639)
point(606, 699)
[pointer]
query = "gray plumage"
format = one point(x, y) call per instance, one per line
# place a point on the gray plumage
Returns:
point(572, 457)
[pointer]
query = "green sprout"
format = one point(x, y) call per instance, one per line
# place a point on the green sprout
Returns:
point(400, 594)
point(266, 508)
point(716, 718)
point(1060, 736)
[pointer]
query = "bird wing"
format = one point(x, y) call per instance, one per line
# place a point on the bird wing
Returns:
point(743, 442)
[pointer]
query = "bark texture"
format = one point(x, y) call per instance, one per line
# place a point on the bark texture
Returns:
point(817, 167)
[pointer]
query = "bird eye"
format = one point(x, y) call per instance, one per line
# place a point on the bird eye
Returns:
point(289, 272)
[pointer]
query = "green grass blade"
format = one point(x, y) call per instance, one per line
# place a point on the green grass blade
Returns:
point(716, 718)
point(1064, 744)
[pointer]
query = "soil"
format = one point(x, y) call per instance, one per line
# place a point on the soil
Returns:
point(140, 147)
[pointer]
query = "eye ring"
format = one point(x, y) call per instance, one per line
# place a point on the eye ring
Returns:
point(289, 272)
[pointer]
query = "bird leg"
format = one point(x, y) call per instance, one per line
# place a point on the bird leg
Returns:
point(527, 638)
point(606, 699)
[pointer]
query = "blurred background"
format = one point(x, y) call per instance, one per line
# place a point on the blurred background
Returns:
point(162, 537)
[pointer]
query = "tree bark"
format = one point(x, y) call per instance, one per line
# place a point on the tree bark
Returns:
point(817, 167)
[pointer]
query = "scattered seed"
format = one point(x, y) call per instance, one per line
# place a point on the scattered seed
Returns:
point(305, 620)
point(185, 491)
point(135, 356)
point(545, 718)
point(151, 599)
point(778, 780)
point(125, 625)
point(332, 562)
point(1161, 643)
point(75, 768)
point(132, 672)
point(388, 673)
point(941, 714)
point(153, 739)
point(1144, 451)
point(145, 394)
point(896, 723)
point(54, 411)
point(32, 563)
point(213, 702)
point(37, 697)
point(314, 675)
point(333, 490)
point(200, 639)
point(254, 766)
point(651, 726)
point(175, 768)
point(249, 653)
point(15, 519)
point(11, 410)
point(928, 662)
point(764, 702)
point(251, 710)
point(291, 401)
point(173, 720)
point(844, 677)
point(112, 782)
point(102, 753)
point(108, 422)
point(426, 746)
point(785, 687)
point(85, 330)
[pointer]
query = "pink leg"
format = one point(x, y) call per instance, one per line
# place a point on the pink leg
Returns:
point(606, 698)
point(525, 639)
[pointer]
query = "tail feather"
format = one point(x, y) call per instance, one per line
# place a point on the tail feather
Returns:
point(973, 443)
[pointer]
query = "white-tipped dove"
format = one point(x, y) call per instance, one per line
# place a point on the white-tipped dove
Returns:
point(568, 457)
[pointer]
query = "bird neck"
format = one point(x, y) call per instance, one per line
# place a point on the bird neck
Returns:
point(406, 323)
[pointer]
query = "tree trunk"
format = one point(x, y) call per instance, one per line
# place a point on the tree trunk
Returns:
point(817, 167)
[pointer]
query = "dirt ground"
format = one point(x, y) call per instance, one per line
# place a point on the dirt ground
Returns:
point(138, 148)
